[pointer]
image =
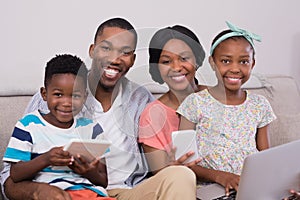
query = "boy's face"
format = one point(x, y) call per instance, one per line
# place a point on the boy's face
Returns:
point(113, 55)
point(65, 95)
point(233, 61)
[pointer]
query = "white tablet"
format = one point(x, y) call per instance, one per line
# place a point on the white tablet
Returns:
point(90, 149)
point(185, 141)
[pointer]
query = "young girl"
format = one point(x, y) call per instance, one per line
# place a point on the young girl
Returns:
point(175, 55)
point(230, 123)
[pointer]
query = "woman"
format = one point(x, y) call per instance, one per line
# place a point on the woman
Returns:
point(175, 54)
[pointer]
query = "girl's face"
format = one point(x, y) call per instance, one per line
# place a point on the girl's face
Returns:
point(177, 65)
point(233, 61)
point(65, 95)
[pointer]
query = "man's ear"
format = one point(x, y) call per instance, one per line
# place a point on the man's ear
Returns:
point(133, 58)
point(43, 93)
point(132, 61)
point(212, 63)
point(91, 51)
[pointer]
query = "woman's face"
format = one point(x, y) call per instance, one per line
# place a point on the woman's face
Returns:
point(177, 65)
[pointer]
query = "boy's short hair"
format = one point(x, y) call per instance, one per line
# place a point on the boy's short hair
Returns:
point(116, 22)
point(65, 64)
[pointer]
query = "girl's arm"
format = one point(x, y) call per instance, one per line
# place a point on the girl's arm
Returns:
point(226, 179)
point(94, 171)
point(21, 171)
point(185, 124)
point(262, 138)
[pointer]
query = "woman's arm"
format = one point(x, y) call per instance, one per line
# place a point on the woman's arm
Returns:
point(157, 159)
point(262, 138)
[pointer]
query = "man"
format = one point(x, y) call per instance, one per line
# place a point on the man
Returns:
point(116, 103)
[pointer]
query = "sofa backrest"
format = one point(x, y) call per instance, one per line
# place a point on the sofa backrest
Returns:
point(281, 91)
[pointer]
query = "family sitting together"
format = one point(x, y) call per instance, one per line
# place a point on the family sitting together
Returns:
point(230, 123)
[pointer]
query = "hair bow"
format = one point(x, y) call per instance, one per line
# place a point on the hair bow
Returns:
point(236, 32)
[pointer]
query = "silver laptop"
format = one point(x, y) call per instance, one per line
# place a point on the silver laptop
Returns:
point(266, 175)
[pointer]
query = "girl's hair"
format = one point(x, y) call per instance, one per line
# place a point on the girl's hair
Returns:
point(65, 64)
point(233, 38)
point(162, 36)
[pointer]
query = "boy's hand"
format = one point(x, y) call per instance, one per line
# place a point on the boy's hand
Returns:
point(58, 157)
point(82, 166)
point(228, 180)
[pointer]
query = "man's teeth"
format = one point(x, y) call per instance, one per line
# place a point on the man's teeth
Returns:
point(111, 72)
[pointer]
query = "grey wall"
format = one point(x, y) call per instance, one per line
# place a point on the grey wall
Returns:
point(33, 31)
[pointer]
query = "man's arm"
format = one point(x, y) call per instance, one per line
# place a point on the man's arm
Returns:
point(33, 190)
point(36, 103)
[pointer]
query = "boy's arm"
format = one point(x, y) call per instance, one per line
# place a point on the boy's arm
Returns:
point(21, 171)
point(94, 171)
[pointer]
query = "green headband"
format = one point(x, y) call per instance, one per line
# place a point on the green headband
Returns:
point(236, 32)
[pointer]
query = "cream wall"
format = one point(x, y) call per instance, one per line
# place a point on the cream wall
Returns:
point(33, 31)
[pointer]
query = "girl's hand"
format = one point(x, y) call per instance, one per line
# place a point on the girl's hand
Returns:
point(228, 180)
point(82, 166)
point(295, 195)
point(58, 157)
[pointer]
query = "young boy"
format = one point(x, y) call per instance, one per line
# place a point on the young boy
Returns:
point(35, 149)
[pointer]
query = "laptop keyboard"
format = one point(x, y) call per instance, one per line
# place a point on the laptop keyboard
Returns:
point(231, 196)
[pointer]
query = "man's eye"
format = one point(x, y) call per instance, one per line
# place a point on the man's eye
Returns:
point(105, 48)
point(127, 52)
point(76, 96)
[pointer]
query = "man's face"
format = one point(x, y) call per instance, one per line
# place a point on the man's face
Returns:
point(112, 55)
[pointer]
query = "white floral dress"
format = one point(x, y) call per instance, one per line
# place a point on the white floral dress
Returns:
point(226, 133)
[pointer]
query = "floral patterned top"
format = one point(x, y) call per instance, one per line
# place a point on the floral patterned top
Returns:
point(226, 133)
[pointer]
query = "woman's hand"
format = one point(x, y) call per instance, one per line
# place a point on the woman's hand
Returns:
point(182, 159)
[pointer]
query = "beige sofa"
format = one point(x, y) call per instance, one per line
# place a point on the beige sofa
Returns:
point(281, 91)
